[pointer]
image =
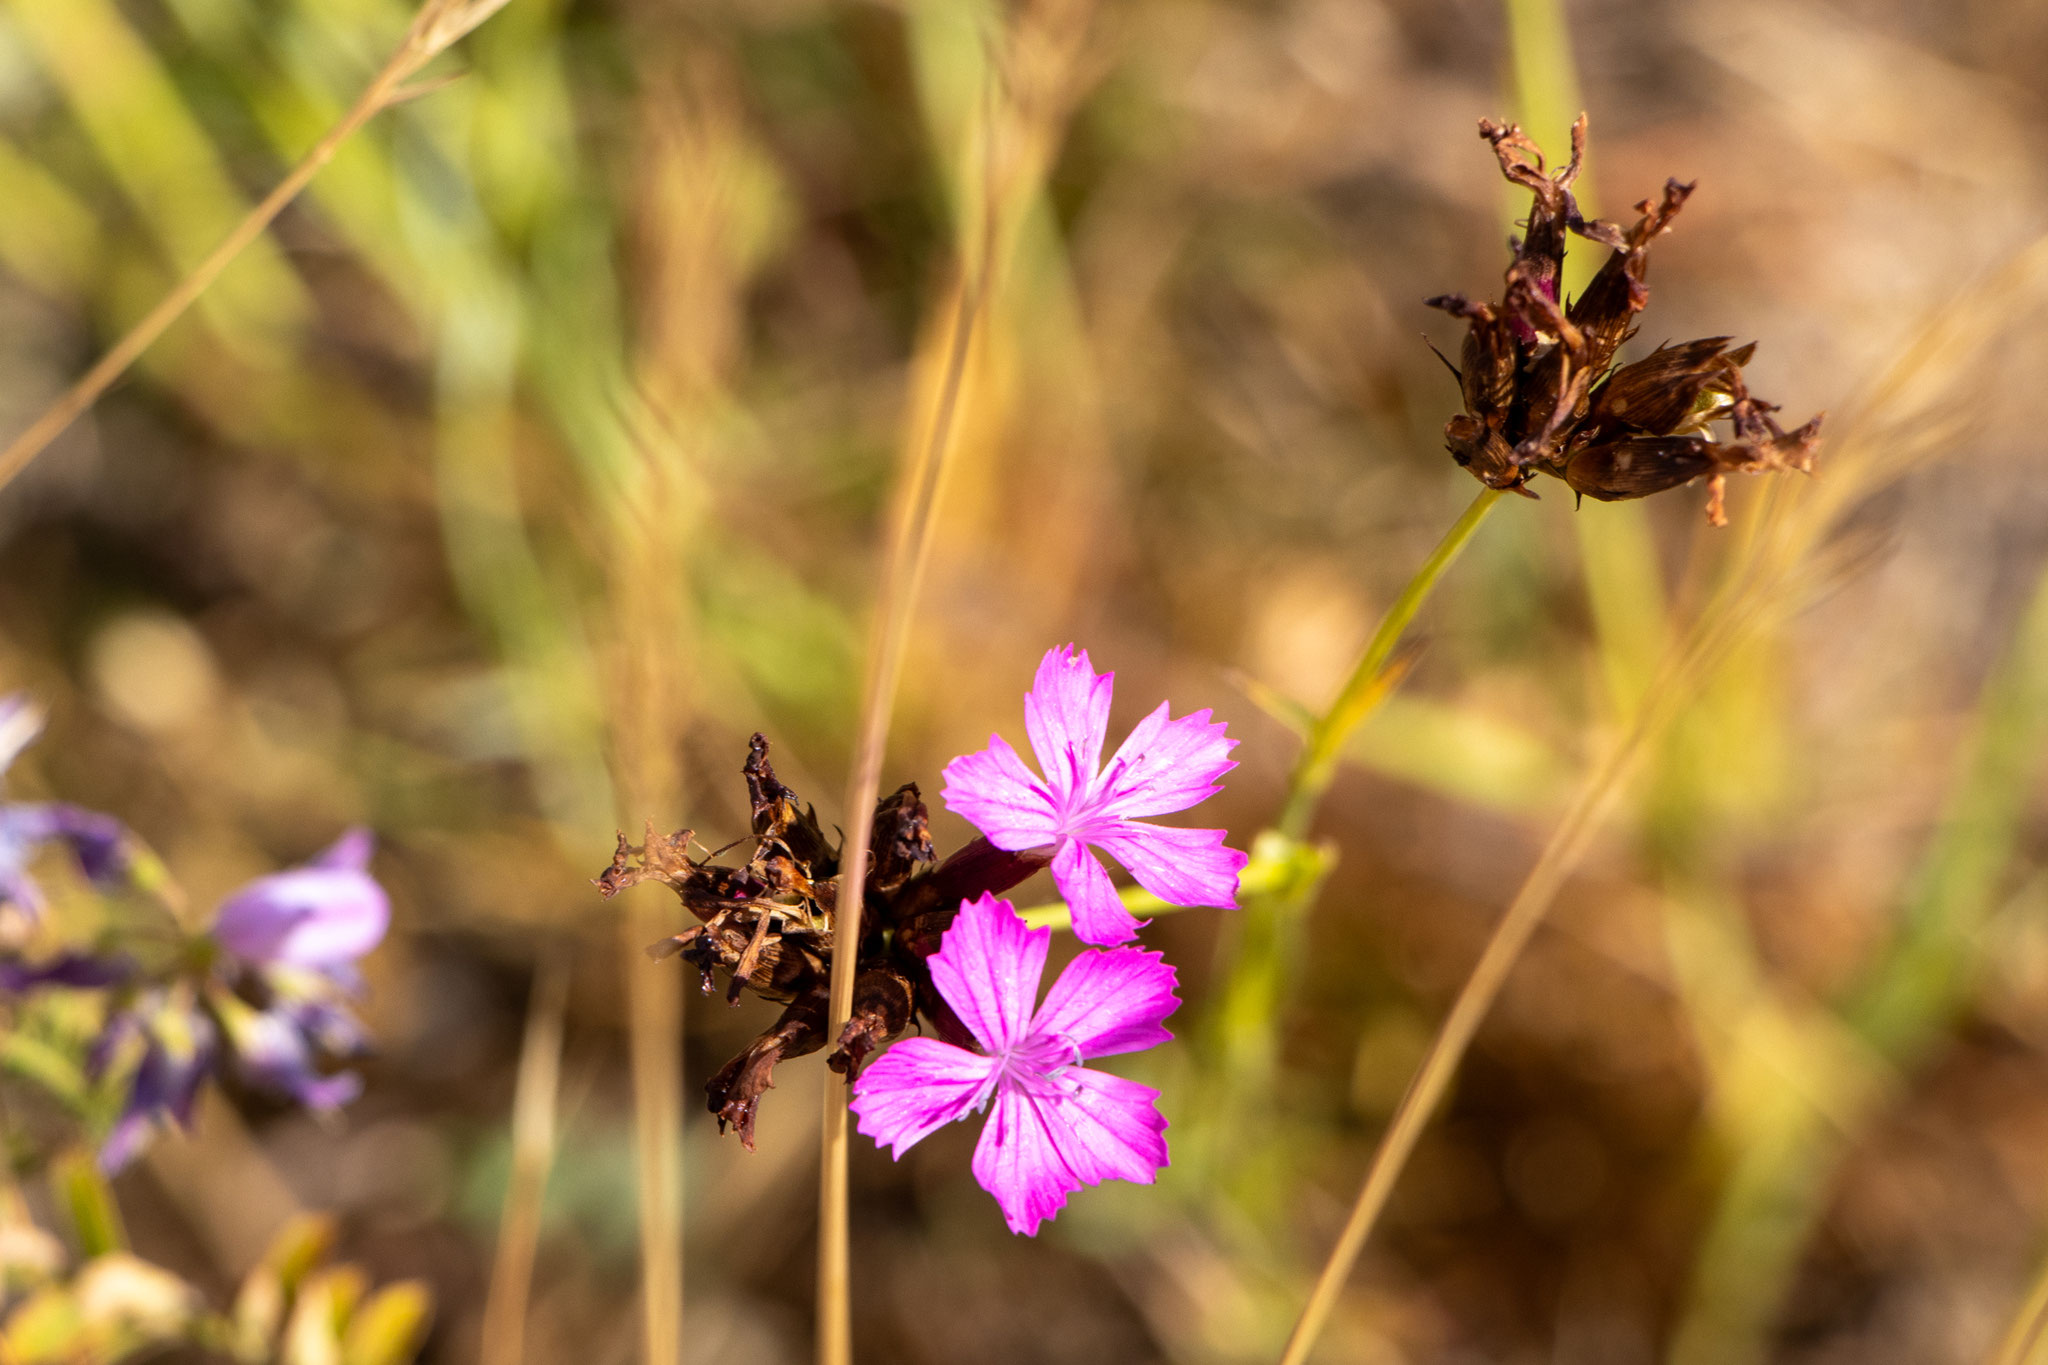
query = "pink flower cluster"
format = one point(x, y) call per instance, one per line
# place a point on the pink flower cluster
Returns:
point(1055, 1125)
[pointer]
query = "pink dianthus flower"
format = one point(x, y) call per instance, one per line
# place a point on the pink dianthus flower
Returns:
point(1054, 1126)
point(1079, 806)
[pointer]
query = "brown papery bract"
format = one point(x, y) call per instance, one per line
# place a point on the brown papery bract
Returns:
point(1541, 391)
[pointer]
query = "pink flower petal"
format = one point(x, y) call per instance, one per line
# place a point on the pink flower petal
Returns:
point(1183, 866)
point(917, 1087)
point(1047, 1138)
point(1110, 1002)
point(325, 914)
point(350, 853)
point(993, 791)
point(1066, 713)
point(1017, 1162)
point(1165, 765)
point(988, 967)
point(1099, 916)
point(1113, 1128)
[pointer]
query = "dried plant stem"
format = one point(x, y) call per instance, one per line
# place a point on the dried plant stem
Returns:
point(1020, 125)
point(440, 23)
point(1905, 421)
point(655, 1011)
point(902, 576)
point(649, 706)
point(1427, 1089)
point(533, 1153)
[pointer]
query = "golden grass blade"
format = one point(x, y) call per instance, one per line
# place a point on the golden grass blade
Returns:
point(533, 1153)
point(440, 23)
point(1901, 423)
point(902, 576)
point(654, 1007)
point(1020, 127)
point(649, 706)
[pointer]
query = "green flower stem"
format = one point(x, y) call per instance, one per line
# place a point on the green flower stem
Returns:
point(1244, 1037)
point(1370, 679)
point(1278, 863)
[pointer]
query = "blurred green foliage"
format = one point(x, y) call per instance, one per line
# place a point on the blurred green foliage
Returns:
point(368, 534)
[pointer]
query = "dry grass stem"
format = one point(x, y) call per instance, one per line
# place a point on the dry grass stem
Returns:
point(439, 24)
point(650, 631)
point(902, 575)
point(1019, 130)
point(533, 1154)
point(1910, 410)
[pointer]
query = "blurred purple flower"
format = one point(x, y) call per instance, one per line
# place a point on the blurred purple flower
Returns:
point(279, 1048)
point(1055, 1125)
point(1165, 765)
point(323, 915)
point(179, 1051)
point(274, 1008)
point(78, 971)
point(99, 842)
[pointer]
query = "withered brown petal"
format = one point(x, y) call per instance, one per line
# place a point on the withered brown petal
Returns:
point(1654, 395)
point(734, 1094)
point(1637, 466)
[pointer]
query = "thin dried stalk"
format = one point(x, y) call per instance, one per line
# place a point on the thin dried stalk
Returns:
point(1907, 417)
point(1021, 131)
point(533, 1153)
point(654, 1008)
point(649, 705)
point(902, 576)
point(439, 24)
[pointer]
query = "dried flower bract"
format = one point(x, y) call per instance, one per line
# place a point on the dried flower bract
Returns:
point(1541, 390)
point(766, 923)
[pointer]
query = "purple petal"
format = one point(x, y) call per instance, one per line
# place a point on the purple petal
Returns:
point(351, 852)
point(126, 1139)
point(993, 791)
point(1112, 1127)
point(1071, 1129)
point(917, 1087)
point(176, 1061)
point(323, 1094)
point(1099, 916)
point(118, 1029)
point(191, 1063)
point(1066, 713)
point(273, 1052)
point(1181, 866)
point(79, 971)
point(1110, 1002)
point(328, 1027)
point(316, 916)
point(1164, 765)
point(99, 842)
point(987, 968)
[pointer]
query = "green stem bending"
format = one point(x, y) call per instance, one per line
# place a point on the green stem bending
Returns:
point(1287, 872)
point(1367, 684)
point(1277, 864)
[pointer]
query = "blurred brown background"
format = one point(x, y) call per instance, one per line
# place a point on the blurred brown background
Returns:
point(368, 537)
